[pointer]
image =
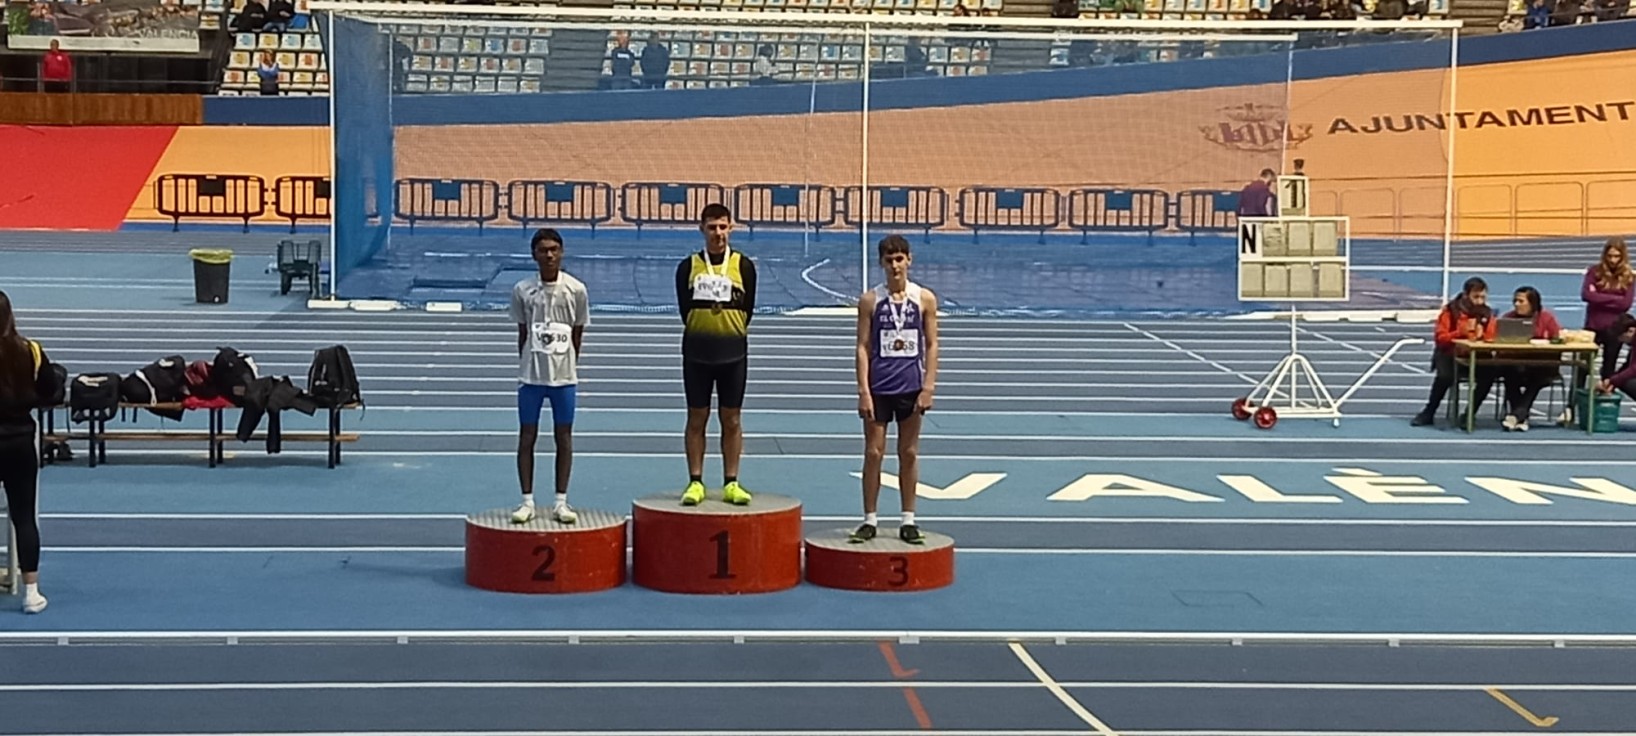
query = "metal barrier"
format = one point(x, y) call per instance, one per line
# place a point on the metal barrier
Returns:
point(236, 196)
point(918, 207)
point(1207, 210)
point(773, 205)
point(447, 200)
point(1009, 208)
point(575, 202)
point(1118, 211)
point(301, 198)
point(666, 203)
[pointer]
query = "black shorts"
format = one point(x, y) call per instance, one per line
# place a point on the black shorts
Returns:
point(726, 379)
point(889, 407)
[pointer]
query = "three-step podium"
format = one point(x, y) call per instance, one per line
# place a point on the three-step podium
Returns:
point(712, 548)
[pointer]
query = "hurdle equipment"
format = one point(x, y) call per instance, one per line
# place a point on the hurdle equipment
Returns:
point(716, 547)
point(545, 556)
point(884, 563)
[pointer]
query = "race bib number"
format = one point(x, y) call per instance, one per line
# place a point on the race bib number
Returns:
point(712, 288)
point(552, 337)
point(899, 343)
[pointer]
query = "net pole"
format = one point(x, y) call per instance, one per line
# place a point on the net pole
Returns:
point(1448, 182)
point(334, 155)
point(863, 174)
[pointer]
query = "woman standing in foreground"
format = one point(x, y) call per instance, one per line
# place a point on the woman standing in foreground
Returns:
point(25, 381)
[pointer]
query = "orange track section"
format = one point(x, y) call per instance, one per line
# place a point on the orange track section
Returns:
point(66, 178)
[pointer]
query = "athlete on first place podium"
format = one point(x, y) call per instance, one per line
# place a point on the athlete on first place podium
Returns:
point(551, 310)
point(716, 295)
point(897, 374)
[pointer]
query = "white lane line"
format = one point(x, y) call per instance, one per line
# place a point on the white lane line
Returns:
point(1061, 694)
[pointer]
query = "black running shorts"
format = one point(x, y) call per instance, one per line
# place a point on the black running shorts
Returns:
point(890, 407)
point(725, 379)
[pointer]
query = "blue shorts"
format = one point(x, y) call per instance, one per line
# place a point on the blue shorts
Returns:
point(531, 398)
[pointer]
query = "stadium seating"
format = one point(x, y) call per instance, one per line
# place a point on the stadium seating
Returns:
point(700, 59)
point(474, 59)
point(300, 54)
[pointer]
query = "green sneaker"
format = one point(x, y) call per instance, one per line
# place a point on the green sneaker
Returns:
point(734, 493)
point(694, 494)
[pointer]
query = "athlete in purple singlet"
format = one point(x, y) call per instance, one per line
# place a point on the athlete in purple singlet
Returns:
point(897, 373)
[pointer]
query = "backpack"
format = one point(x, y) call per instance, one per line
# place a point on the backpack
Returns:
point(331, 380)
point(232, 372)
point(163, 381)
point(93, 397)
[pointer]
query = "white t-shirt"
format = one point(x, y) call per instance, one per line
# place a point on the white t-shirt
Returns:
point(549, 312)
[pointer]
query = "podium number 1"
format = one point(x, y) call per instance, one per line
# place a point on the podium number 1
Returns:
point(723, 543)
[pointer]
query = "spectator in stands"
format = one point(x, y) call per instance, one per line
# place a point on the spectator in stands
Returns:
point(914, 58)
point(961, 11)
point(1539, 15)
point(251, 17)
point(623, 62)
point(267, 71)
point(1390, 10)
point(762, 68)
point(1340, 10)
point(1607, 291)
point(1566, 12)
point(1524, 382)
point(279, 15)
point(1610, 9)
point(1059, 9)
point(1257, 198)
point(56, 69)
point(655, 62)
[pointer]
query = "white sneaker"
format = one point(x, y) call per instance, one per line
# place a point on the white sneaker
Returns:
point(523, 514)
point(34, 603)
point(1510, 422)
point(1565, 418)
point(1522, 426)
point(564, 514)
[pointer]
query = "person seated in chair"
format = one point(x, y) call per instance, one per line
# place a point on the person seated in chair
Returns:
point(279, 15)
point(1625, 379)
point(251, 17)
point(1524, 382)
point(1466, 317)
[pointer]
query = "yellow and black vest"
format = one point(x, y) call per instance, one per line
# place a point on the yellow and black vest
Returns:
point(712, 332)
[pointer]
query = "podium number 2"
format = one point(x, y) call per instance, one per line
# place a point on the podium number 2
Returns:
point(900, 571)
point(722, 549)
point(543, 572)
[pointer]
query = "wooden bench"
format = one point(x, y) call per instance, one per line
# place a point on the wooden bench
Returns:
point(97, 434)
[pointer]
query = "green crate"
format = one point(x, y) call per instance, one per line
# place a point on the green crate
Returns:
point(1604, 414)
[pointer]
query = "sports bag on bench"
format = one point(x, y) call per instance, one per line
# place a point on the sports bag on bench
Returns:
point(232, 372)
point(93, 397)
point(331, 380)
point(163, 381)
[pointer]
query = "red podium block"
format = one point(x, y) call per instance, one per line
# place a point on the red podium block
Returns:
point(544, 556)
point(716, 547)
point(883, 563)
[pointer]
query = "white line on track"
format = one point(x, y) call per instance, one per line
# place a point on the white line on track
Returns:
point(986, 551)
point(1259, 438)
point(1223, 521)
point(1433, 687)
point(853, 457)
point(1062, 695)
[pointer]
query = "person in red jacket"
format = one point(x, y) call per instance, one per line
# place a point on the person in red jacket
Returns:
point(56, 69)
point(1524, 382)
point(1607, 292)
point(1466, 317)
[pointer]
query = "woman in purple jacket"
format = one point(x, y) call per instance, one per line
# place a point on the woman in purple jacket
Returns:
point(1607, 293)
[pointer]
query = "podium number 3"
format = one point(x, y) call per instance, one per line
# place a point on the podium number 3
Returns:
point(900, 571)
point(723, 542)
point(543, 572)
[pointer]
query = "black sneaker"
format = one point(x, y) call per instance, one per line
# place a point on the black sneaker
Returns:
point(911, 534)
point(862, 534)
point(1423, 419)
